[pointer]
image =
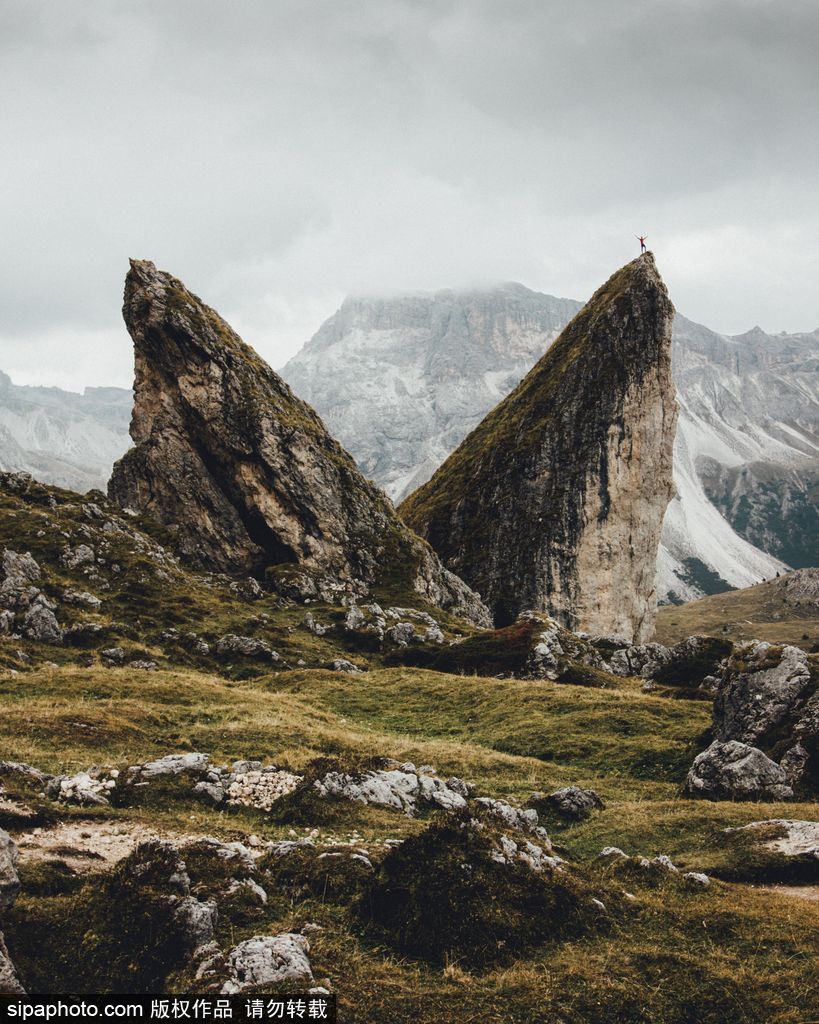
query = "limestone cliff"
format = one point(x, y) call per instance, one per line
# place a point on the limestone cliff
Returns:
point(556, 500)
point(243, 471)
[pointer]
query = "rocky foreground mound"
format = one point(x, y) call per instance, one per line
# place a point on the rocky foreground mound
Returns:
point(242, 470)
point(556, 500)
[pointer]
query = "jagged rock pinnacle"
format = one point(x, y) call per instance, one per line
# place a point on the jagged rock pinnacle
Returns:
point(244, 471)
point(555, 501)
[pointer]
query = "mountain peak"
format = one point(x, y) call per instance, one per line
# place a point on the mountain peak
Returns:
point(555, 500)
point(242, 470)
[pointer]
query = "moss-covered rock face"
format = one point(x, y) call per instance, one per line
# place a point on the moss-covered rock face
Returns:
point(533, 647)
point(466, 892)
point(555, 501)
point(242, 470)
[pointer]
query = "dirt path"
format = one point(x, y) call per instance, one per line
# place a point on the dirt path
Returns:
point(88, 845)
point(796, 892)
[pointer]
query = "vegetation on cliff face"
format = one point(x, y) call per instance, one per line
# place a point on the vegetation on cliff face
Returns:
point(579, 452)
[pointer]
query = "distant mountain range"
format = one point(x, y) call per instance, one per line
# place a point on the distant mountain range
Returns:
point(61, 437)
point(400, 382)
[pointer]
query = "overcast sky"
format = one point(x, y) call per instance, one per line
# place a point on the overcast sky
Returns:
point(277, 155)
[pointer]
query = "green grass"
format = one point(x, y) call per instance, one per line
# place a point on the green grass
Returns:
point(732, 954)
point(754, 613)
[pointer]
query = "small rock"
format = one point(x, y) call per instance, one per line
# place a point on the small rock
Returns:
point(313, 626)
point(81, 599)
point(574, 803)
point(342, 665)
point(270, 961)
point(73, 558)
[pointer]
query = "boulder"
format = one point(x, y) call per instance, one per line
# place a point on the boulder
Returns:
point(40, 623)
point(172, 764)
point(232, 646)
point(517, 818)
point(84, 789)
point(21, 568)
point(736, 771)
point(573, 803)
point(82, 599)
point(312, 625)
point(690, 663)
point(393, 788)
point(343, 665)
point(10, 984)
point(266, 961)
point(195, 920)
point(75, 558)
point(639, 660)
point(761, 689)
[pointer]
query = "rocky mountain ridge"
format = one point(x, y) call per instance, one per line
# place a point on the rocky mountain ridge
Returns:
point(62, 438)
point(745, 453)
point(749, 407)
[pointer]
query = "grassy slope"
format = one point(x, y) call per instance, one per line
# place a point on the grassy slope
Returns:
point(143, 598)
point(725, 955)
point(758, 612)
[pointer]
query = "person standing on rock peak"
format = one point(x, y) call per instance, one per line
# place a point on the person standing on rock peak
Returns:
point(642, 241)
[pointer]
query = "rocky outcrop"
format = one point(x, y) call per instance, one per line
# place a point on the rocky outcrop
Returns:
point(9, 981)
point(24, 602)
point(760, 690)
point(765, 699)
point(556, 500)
point(403, 788)
point(400, 381)
point(736, 771)
point(692, 663)
point(242, 470)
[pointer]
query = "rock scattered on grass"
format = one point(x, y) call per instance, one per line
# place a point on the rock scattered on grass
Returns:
point(736, 771)
point(570, 802)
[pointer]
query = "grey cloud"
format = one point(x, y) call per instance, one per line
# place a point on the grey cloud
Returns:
point(276, 155)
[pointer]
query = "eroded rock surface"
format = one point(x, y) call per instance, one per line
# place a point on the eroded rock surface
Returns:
point(9, 889)
point(761, 689)
point(242, 470)
point(736, 771)
point(555, 501)
point(403, 789)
